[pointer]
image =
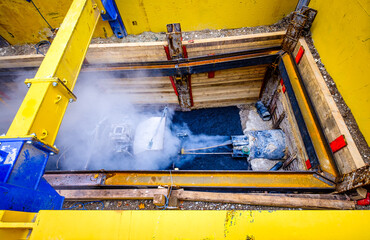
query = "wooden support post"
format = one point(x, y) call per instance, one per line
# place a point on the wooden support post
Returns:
point(177, 51)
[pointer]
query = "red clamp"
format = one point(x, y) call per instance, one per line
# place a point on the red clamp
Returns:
point(365, 201)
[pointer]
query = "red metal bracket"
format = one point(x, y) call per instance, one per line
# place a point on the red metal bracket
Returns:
point(167, 50)
point(338, 144)
point(299, 55)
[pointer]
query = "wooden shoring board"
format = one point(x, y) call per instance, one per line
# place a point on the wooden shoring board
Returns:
point(290, 125)
point(307, 201)
point(154, 51)
point(226, 88)
point(348, 158)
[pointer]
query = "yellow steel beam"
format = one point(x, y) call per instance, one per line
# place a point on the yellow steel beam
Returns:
point(43, 108)
point(223, 179)
point(327, 163)
point(198, 225)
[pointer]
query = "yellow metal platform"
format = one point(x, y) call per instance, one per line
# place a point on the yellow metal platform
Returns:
point(185, 225)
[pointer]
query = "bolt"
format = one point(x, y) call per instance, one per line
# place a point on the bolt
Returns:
point(28, 85)
point(33, 134)
point(55, 84)
point(29, 142)
point(102, 11)
point(71, 100)
point(51, 154)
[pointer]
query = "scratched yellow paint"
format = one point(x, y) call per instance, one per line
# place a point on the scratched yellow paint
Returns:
point(341, 34)
point(20, 22)
point(187, 224)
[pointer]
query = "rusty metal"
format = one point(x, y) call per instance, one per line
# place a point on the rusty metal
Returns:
point(300, 22)
point(174, 40)
point(176, 51)
point(311, 15)
point(191, 179)
point(355, 179)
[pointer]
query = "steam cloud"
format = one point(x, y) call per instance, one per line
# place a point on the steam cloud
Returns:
point(83, 147)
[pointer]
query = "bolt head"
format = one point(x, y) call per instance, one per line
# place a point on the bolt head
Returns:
point(29, 142)
point(51, 154)
point(55, 84)
point(71, 100)
point(28, 85)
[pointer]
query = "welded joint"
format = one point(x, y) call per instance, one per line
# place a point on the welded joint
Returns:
point(56, 82)
point(324, 179)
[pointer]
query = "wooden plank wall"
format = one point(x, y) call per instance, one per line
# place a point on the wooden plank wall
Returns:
point(154, 51)
point(228, 87)
point(348, 158)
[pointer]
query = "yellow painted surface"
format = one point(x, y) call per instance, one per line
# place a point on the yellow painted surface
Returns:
point(198, 15)
point(45, 103)
point(197, 225)
point(21, 23)
point(341, 34)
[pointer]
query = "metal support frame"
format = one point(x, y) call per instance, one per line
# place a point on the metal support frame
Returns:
point(112, 15)
point(176, 52)
point(25, 149)
point(304, 181)
point(317, 146)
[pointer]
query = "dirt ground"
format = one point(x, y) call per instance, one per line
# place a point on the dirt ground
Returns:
point(148, 37)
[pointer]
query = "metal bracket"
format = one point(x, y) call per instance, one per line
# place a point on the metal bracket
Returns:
point(56, 82)
point(182, 83)
point(114, 18)
point(22, 165)
point(176, 51)
point(300, 22)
